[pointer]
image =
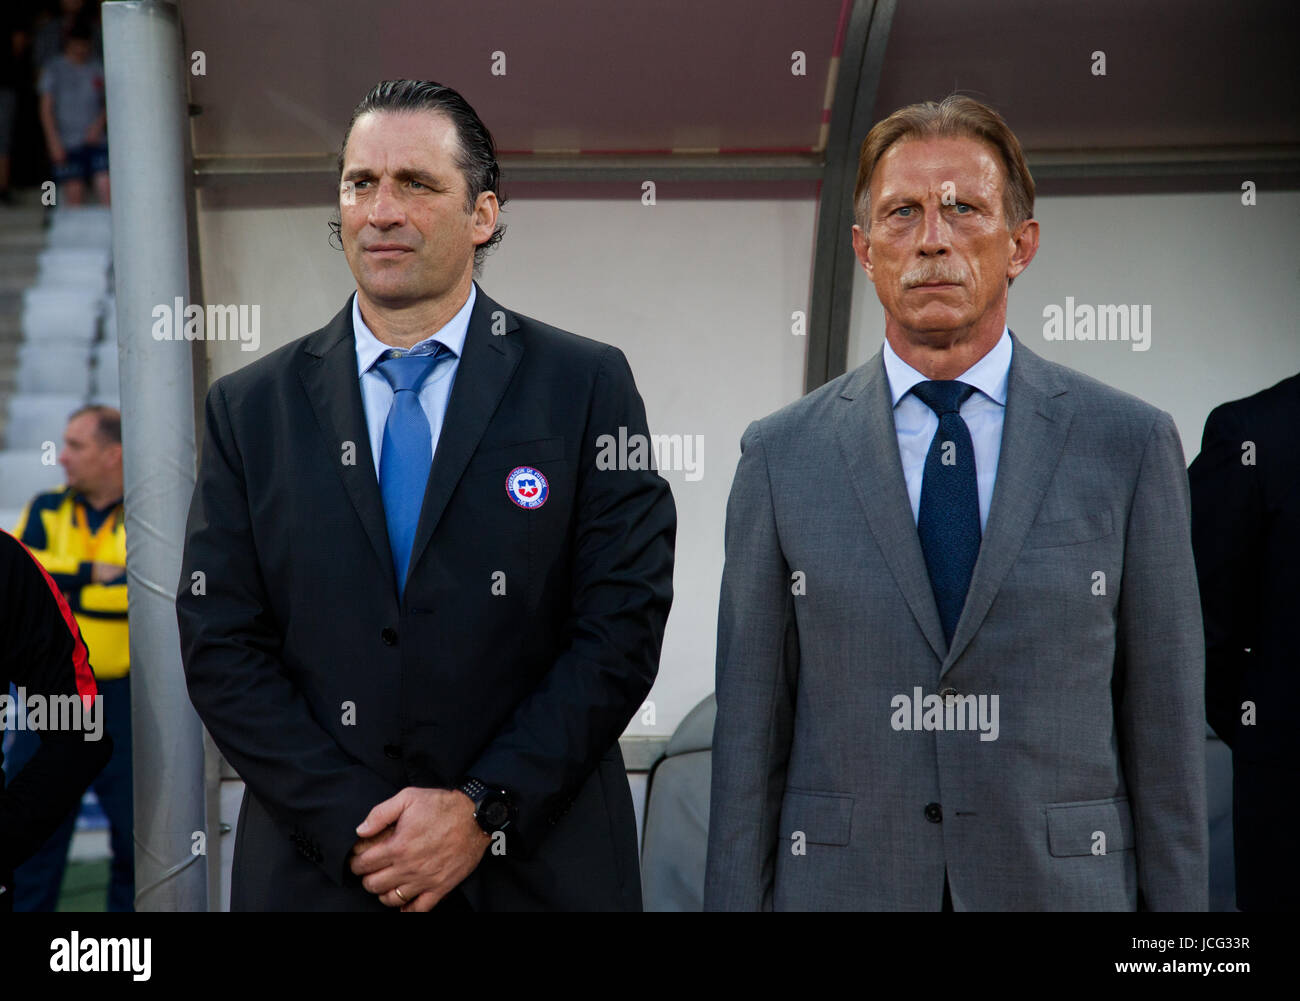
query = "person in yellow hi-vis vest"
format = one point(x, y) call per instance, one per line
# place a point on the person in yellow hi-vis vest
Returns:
point(78, 534)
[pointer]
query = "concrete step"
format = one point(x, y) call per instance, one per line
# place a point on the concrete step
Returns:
point(23, 220)
point(33, 242)
point(16, 276)
point(19, 222)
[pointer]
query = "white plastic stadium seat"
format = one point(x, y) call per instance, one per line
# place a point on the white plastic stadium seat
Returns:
point(84, 268)
point(109, 308)
point(9, 518)
point(676, 839)
point(23, 476)
point(105, 373)
point(82, 226)
point(35, 418)
point(60, 314)
point(54, 367)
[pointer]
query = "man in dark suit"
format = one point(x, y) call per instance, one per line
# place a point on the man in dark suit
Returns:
point(1246, 535)
point(415, 614)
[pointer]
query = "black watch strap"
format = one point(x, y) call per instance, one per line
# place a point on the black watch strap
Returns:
point(492, 807)
point(474, 789)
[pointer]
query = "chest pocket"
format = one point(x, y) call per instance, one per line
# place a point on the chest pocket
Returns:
point(1072, 531)
point(500, 459)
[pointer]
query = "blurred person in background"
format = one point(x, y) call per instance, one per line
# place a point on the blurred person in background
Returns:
point(78, 534)
point(1245, 488)
point(26, 162)
point(75, 119)
point(11, 42)
point(50, 29)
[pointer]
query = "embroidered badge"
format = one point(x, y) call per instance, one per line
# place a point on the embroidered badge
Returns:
point(527, 487)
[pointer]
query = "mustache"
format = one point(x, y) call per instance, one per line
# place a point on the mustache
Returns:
point(924, 274)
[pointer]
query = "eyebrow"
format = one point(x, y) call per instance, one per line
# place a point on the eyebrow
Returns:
point(899, 198)
point(404, 174)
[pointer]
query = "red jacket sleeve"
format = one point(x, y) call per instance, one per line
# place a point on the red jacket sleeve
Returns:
point(41, 652)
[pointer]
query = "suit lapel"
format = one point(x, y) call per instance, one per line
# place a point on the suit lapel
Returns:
point(485, 369)
point(1034, 428)
point(328, 370)
point(869, 442)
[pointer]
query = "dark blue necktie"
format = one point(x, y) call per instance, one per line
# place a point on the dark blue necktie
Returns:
point(406, 455)
point(949, 518)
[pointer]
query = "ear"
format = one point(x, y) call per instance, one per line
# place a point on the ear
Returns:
point(862, 250)
point(486, 210)
point(1024, 245)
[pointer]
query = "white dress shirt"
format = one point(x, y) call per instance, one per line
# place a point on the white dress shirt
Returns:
point(377, 394)
point(916, 424)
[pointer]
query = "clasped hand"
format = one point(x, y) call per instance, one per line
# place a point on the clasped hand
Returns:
point(423, 842)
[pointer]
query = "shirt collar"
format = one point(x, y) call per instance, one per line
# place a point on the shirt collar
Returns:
point(370, 348)
point(988, 375)
point(80, 498)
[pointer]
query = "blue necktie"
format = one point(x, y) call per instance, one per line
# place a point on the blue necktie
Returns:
point(949, 518)
point(406, 455)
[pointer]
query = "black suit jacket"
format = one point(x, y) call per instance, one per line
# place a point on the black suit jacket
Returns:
point(1246, 536)
point(328, 695)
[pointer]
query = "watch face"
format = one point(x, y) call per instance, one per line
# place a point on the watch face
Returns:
point(495, 814)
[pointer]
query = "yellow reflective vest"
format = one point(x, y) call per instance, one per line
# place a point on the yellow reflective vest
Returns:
point(56, 528)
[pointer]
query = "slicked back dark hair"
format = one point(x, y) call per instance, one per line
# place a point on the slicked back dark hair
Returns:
point(476, 156)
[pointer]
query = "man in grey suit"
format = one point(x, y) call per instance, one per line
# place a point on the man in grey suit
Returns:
point(960, 658)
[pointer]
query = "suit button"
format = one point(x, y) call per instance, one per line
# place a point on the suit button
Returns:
point(933, 813)
point(948, 694)
point(392, 751)
point(389, 636)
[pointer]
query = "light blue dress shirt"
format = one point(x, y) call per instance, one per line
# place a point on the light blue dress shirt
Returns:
point(377, 394)
point(983, 413)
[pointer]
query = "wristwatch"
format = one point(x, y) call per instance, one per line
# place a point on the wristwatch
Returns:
point(492, 807)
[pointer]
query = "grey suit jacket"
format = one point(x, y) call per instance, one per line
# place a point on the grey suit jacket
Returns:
point(1083, 618)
